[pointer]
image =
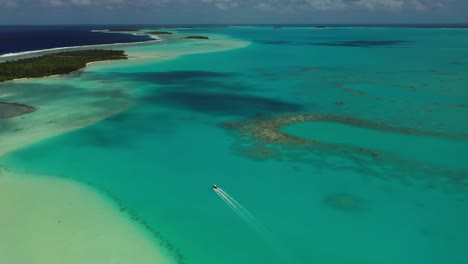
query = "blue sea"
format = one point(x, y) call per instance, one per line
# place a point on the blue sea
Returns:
point(14, 39)
point(335, 145)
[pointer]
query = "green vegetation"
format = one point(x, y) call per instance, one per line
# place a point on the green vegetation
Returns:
point(160, 33)
point(196, 37)
point(55, 63)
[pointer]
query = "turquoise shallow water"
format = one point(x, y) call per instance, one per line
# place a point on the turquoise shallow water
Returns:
point(321, 204)
point(440, 151)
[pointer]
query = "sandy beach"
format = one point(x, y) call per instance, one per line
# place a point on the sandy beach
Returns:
point(81, 225)
point(53, 220)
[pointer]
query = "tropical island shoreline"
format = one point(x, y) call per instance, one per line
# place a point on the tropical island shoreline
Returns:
point(55, 63)
point(116, 231)
point(109, 228)
point(22, 54)
point(119, 232)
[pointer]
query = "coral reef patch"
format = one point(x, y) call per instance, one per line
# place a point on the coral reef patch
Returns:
point(9, 110)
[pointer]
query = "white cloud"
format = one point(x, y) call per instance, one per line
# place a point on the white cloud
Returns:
point(327, 5)
point(265, 5)
point(222, 4)
point(11, 4)
point(418, 5)
point(81, 2)
point(105, 3)
point(56, 3)
point(380, 4)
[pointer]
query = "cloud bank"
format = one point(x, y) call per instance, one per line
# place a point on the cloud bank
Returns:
point(231, 11)
point(264, 5)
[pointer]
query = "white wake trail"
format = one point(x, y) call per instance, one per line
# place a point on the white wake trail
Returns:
point(232, 206)
point(235, 202)
point(253, 223)
point(247, 217)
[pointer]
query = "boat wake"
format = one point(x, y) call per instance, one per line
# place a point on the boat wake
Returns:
point(240, 210)
point(248, 218)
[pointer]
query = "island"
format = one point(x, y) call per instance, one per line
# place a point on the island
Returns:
point(196, 37)
point(55, 63)
point(160, 33)
point(124, 29)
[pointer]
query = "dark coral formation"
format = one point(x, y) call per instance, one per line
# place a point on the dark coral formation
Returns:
point(363, 43)
point(160, 33)
point(263, 139)
point(196, 37)
point(345, 202)
point(259, 152)
point(306, 68)
point(269, 130)
point(9, 110)
point(353, 43)
point(354, 91)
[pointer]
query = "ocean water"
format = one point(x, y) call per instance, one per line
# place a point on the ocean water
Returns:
point(14, 39)
point(381, 177)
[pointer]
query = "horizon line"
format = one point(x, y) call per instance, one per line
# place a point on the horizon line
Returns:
point(240, 24)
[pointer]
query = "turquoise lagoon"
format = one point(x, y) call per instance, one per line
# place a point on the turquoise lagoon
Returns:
point(321, 203)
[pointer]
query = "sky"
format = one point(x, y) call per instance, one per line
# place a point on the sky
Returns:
point(31, 12)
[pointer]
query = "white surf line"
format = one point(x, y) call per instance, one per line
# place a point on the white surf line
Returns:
point(22, 53)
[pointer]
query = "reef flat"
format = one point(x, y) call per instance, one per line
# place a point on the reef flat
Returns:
point(366, 144)
point(270, 129)
point(8, 110)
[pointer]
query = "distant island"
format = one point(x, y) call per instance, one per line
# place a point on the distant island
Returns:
point(124, 29)
point(160, 33)
point(196, 37)
point(55, 63)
